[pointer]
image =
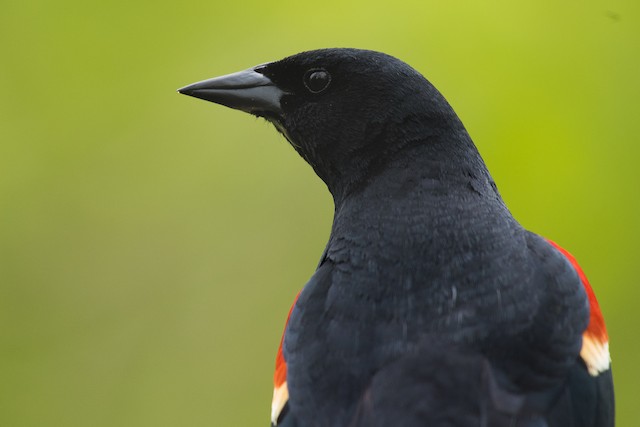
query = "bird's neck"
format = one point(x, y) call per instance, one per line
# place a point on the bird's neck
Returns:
point(429, 164)
point(429, 195)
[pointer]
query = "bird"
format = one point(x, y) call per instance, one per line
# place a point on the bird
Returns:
point(431, 305)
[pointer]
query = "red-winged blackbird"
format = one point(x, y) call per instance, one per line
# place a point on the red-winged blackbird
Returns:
point(431, 305)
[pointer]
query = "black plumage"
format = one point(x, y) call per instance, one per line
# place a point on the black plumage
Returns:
point(431, 304)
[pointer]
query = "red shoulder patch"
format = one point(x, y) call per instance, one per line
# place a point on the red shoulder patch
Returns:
point(595, 340)
point(280, 390)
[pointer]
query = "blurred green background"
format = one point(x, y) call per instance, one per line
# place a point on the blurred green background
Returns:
point(151, 244)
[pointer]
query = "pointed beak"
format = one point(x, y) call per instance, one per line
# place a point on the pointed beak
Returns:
point(247, 90)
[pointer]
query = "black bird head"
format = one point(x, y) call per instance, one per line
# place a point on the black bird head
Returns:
point(346, 111)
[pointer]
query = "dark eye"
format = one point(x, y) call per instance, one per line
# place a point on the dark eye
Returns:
point(317, 80)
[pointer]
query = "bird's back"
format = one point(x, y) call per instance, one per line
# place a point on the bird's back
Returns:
point(421, 262)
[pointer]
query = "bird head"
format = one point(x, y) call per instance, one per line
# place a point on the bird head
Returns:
point(346, 111)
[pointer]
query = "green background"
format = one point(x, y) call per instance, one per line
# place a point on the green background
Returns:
point(151, 244)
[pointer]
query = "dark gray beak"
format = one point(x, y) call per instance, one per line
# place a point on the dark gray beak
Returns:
point(246, 90)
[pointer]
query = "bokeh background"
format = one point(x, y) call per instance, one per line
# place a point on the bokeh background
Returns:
point(151, 244)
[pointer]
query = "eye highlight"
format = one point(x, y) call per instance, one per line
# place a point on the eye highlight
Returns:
point(316, 80)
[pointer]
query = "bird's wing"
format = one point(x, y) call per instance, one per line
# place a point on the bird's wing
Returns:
point(279, 403)
point(589, 396)
point(321, 279)
point(595, 340)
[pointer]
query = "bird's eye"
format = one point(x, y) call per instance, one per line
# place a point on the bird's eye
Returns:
point(317, 80)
